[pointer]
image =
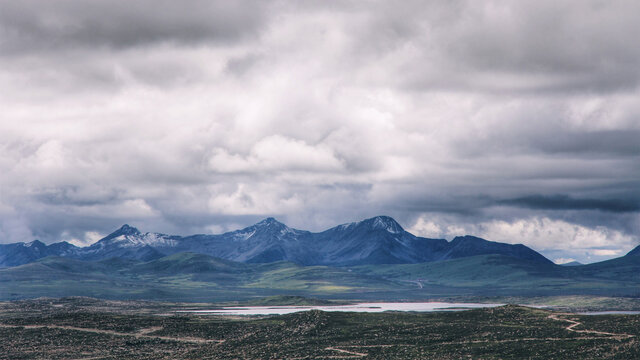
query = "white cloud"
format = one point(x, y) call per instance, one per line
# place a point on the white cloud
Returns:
point(606, 252)
point(277, 153)
point(545, 233)
point(561, 261)
point(254, 199)
point(540, 233)
point(90, 237)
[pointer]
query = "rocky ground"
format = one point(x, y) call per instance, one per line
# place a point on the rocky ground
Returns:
point(93, 329)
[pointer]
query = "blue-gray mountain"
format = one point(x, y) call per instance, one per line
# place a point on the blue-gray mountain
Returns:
point(379, 240)
point(23, 253)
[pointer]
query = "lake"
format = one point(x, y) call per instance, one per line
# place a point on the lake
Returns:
point(624, 312)
point(362, 307)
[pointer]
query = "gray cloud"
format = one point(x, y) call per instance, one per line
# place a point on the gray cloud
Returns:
point(36, 26)
point(456, 117)
point(529, 47)
point(593, 143)
point(564, 202)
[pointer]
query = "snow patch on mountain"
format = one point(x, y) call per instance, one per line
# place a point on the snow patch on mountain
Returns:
point(139, 240)
point(243, 235)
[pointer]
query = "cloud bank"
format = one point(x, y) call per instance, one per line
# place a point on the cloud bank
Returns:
point(514, 121)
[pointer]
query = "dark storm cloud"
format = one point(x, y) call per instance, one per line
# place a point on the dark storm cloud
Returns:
point(475, 205)
point(77, 196)
point(564, 202)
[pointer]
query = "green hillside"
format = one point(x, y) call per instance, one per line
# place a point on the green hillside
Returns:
point(503, 275)
point(483, 270)
point(184, 276)
point(197, 277)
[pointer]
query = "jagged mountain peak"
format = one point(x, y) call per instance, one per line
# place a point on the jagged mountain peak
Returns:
point(385, 223)
point(380, 222)
point(35, 243)
point(272, 226)
point(270, 222)
point(127, 229)
point(63, 246)
point(129, 236)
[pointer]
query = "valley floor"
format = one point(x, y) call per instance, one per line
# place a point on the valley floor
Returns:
point(83, 328)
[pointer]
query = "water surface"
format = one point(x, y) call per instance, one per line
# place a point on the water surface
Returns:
point(610, 313)
point(362, 307)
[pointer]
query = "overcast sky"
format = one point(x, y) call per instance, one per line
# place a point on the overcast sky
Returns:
point(514, 121)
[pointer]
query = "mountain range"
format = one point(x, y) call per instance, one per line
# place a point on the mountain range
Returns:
point(378, 240)
point(373, 259)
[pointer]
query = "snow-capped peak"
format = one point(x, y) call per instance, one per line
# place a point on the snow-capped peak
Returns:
point(269, 222)
point(126, 229)
point(378, 223)
point(386, 223)
point(274, 225)
point(34, 243)
point(138, 239)
point(269, 227)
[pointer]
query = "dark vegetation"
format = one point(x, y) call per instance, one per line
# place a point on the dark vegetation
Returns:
point(87, 328)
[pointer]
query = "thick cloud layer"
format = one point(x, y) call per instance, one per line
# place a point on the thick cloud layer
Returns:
point(516, 121)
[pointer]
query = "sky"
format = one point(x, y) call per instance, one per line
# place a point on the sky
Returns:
point(514, 121)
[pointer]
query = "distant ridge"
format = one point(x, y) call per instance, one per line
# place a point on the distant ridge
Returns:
point(22, 253)
point(572, 263)
point(634, 252)
point(377, 240)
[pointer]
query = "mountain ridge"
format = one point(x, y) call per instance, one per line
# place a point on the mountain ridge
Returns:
point(376, 240)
